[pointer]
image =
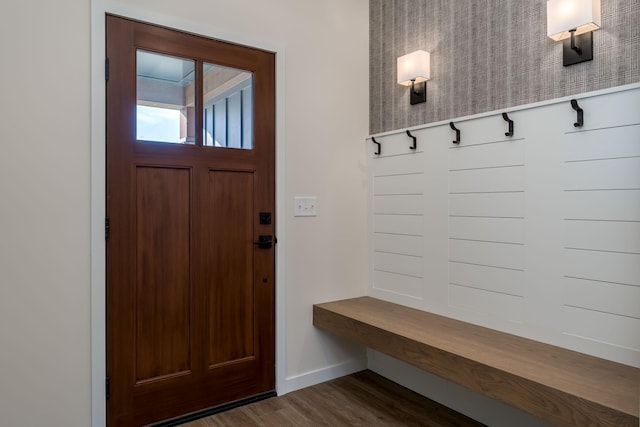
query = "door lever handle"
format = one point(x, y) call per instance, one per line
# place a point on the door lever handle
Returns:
point(265, 241)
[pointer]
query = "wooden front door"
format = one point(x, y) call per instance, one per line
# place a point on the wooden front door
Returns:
point(190, 207)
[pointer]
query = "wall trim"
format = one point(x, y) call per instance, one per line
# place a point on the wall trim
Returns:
point(318, 376)
point(98, 158)
point(511, 109)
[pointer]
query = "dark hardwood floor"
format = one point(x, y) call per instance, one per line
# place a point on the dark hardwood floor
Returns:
point(361, 399)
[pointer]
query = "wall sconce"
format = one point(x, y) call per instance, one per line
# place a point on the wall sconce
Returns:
point(414, 71)
point(573, 21)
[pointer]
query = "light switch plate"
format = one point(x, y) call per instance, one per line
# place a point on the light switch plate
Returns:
point(305, 206)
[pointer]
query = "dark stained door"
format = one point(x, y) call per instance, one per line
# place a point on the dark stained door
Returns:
point(190, 293)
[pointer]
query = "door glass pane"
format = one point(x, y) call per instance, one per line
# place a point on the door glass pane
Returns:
point(228, 107)
point(165, 98)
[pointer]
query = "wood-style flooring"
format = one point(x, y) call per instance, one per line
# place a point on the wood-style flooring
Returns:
point(361, 399)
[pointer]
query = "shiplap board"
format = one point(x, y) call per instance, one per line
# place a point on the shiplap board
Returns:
point(620, 205)
point(601, 296)
point(402, 264)
point(603, 174)
point(507, 307)
point(488, 254)
point(609, 328)
point(400, 164)
point(397, 283)
point(406, 183)
point(399, 244)
point(603, 235)
point(500, 154)
point(609, 143)
point(501, 230)
point(398, 204)
point(509, 282)
point(487, 204)
point(498, 180)
point(412, 225)
point(604, 266)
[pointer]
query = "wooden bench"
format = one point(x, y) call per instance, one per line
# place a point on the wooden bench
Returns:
point(561, 386)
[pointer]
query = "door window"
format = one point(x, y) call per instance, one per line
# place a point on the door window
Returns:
point(228, 107)
point(165, 110)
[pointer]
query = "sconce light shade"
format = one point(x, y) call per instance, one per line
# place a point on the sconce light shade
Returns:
point(414, 67)
point(565, 15)
point(414, 70)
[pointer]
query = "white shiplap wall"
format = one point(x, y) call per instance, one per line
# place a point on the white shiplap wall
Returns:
point(399, 220)
point(486, 223)
point(536, 234)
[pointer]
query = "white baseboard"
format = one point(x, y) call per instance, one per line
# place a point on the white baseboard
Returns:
point(329, 373)
point(474, 405)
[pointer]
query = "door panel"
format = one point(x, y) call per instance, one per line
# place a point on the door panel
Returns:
point(190, 297)
point(231, 297)
point(163, 267)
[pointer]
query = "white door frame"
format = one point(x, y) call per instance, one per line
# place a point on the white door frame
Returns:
point(98, 182)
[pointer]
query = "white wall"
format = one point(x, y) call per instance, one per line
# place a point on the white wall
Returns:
point(51, 169)
point(44, 214)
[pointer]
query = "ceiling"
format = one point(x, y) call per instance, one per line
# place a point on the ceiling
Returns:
point(167, 68)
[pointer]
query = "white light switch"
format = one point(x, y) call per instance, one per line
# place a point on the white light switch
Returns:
point(304, 206)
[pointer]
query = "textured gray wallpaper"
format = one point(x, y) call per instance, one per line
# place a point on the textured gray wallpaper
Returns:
point(487, 55)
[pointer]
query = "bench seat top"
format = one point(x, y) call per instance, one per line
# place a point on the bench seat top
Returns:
point(560, 385)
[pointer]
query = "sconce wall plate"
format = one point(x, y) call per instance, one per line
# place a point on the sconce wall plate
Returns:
point(584, 42)
point(418, 93)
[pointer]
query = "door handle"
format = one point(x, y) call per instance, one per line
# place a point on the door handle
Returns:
point(265, 241)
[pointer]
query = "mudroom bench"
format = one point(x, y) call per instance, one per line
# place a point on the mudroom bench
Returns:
point(561, 386)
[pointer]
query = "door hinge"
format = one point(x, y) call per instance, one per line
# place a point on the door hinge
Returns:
point(107, 228)
point(106, 69)
point(107, 387)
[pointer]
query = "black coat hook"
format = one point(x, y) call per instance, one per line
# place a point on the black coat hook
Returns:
point(413, 146)
point(457, 141)
point(575, 106)
point(506, 117)
point(377, 152)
